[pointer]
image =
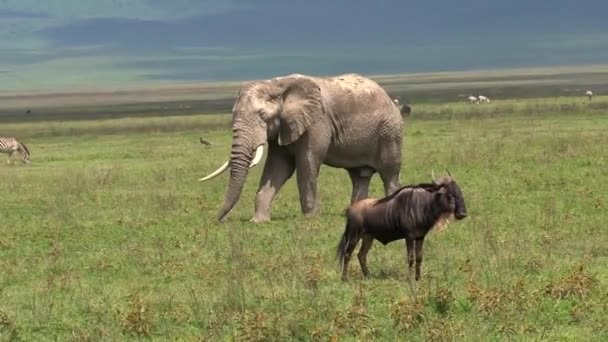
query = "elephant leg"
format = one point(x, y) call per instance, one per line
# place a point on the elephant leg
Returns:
point(391, 182)
point(307, 173)
point(309, 156)
point(360, 177)
point(278, 169)
point(390, 159)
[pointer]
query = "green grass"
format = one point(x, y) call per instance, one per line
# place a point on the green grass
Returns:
point(540, 86)
point(108, 235)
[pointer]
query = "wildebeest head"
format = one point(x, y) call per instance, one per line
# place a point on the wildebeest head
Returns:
point(406, 110)
point(450, 196)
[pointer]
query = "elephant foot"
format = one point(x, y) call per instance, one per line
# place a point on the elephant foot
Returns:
point(259, 218)
point(309, 208)
point(310, 214)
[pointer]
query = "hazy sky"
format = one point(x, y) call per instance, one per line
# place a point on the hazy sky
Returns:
point(72, 43)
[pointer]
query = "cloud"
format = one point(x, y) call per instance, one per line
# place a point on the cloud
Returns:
point(70, 41)
point(126, 9)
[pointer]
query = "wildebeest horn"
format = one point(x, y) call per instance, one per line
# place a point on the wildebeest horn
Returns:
point(433, 176)
point(449, 173)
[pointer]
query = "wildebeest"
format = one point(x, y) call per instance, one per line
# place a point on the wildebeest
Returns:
point(406, 110)
point(409, 213)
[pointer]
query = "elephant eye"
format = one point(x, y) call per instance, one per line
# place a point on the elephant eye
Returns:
point(264, 114)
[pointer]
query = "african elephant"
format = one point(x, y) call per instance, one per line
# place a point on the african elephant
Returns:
point(345, 121)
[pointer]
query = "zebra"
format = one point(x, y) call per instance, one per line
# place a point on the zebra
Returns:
point(11, 145)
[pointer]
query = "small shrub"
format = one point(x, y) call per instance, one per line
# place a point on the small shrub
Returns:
point(442, 300)
point(139, 318)
point(443, 330)
point(407, 314)
point(257, 326)
point(354, 321)
point(7, 327)
point(513, 298)
point(104, 176)
point(313, 275)
point(577, 284)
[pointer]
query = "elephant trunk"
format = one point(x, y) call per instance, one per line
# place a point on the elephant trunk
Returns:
point(240, 158)
point(247, 151)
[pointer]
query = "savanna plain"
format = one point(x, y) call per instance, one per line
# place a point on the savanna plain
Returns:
point(108, 235)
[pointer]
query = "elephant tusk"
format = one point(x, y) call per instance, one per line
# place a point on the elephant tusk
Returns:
point(221, 169)
point(259, 153)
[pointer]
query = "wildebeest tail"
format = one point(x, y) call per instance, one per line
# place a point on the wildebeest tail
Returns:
point(341, 249)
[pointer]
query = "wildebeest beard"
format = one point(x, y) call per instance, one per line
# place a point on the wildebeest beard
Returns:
point(410, 212)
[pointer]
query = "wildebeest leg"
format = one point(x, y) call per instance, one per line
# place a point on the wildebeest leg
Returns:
point(366, 244)
point(360, 177)
point(350, 247)
point(418, 245)
point(409, 245)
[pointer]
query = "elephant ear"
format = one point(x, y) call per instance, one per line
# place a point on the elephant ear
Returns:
point(302, 107)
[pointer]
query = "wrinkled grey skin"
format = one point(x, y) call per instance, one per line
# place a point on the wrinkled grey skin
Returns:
point(346, 121)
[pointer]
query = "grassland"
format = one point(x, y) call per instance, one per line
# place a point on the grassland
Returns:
point(106, 235)
point(192, 98)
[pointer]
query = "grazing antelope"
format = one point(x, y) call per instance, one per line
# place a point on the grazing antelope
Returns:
point(483, 99)
point(589, 94)
point(473, 99)
point(409, 213)
point(10, 146)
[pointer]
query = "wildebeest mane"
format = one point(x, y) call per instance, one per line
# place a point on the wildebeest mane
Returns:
point(430, 187)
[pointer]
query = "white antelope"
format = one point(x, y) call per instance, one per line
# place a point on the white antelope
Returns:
point(589, 94)
point(483, 99)
point(473, 99)
point(10, 146)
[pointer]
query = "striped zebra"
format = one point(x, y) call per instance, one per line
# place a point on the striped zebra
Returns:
point(11, 145)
